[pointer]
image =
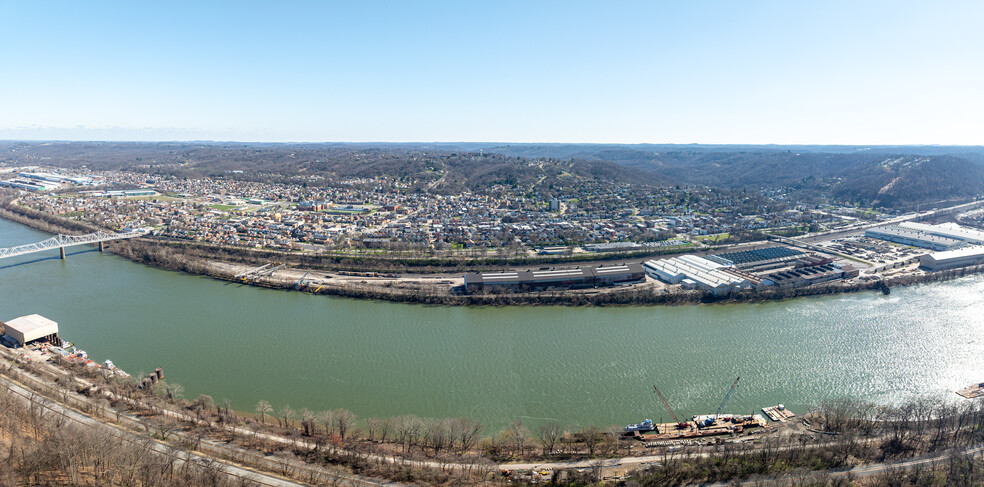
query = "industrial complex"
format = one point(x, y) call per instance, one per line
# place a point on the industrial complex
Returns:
point(752, 269)
point(947, 246)
point(719, 274)
point(957, 246)
point(34, 181)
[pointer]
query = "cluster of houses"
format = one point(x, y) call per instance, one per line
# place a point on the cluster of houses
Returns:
point(285, 215)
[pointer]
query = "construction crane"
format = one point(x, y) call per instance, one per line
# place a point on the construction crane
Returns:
point(300, 282)
point(709, 421)
point(679, 424)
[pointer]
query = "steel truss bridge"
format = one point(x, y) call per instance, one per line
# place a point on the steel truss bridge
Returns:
point(61, 241)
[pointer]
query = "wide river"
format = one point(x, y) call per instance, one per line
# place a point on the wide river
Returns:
point(577, 366)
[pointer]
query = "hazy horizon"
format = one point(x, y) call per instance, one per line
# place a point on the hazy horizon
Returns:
point(471, 142)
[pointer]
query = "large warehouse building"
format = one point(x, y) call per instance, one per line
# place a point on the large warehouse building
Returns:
point(547, 278)
point(31, 328)
point(696, 272)
point(915, 236)
point(954, 258)
point(949, 230)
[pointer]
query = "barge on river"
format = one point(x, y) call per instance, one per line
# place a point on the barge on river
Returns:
point(700, 426)
point(972, 391)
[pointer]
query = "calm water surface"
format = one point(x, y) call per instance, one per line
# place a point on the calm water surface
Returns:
point(574, 365)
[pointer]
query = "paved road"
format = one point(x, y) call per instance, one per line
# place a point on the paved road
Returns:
point(866, 470)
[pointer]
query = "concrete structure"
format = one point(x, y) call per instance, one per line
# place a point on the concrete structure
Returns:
point(917, 237)
point(953, 258)
point(948, 230)
point(30, 328)
point(547, 278)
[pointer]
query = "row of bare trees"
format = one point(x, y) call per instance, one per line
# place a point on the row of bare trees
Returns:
point(844, 434)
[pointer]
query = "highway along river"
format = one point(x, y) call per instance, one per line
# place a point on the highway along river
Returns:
point(577, 366)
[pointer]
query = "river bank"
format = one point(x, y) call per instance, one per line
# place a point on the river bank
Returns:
point(336, 445)
point(228, 264)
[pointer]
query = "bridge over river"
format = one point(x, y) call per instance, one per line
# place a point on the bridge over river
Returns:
point(61, 241)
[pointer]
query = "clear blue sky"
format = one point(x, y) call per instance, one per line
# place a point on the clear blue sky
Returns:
point(831, 72)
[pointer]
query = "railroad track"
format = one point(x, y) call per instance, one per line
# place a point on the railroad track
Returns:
point(210, 450)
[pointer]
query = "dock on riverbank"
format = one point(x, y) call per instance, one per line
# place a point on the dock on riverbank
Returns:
point(972, 391)
point(778, 413)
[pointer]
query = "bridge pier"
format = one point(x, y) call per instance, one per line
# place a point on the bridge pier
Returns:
point(62, 249)
point(101, 248)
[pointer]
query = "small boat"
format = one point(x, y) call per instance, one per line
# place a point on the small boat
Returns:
point(646, 425)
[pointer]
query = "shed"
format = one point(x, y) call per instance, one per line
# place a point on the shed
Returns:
point(27, 329)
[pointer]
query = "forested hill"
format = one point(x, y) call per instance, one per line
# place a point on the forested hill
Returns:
point(868, 175)
point(903, 181)
point(621, 152)
point(456, 170)
point(865, 175)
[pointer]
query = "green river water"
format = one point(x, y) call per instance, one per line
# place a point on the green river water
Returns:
point(577, 366)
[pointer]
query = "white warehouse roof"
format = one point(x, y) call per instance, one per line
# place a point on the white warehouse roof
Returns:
point(706, 274)
point(950, 230)
point(950, 255)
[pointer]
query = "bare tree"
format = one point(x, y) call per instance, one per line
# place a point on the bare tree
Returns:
point(344, 421)
point(549, 434)
point(163, 427)
point(519, 435)
point(437, 434)
point(592, 437)
point(327, 419)
point(407, 430)
point(175, 391)
point(467, 433)
point(308, 421)
point(285, 462)
point(285, 416)
point(263, 408)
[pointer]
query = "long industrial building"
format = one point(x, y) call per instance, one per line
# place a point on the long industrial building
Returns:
point(55, 178)
point(30, 184)
point(547, 278)
point(949, 230)
point(964, 257)
point(915, 236)
point(805, 276)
